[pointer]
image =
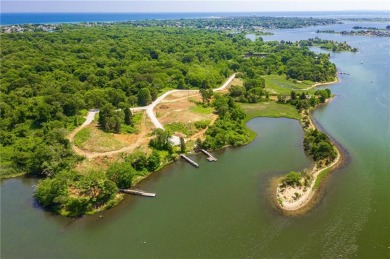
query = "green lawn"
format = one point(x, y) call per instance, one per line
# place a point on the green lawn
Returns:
point(202, 110)
point(128, 129)
point(280, 85)
point(96, 140)
point(82, 136)
point(186, 128)
point(270, 109)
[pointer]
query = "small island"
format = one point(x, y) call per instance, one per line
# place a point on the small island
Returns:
point(328, 45)
point(367, 32)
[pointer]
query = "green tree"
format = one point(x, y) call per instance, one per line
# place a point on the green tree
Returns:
point(153, 161)
point(198, 143)
point(128, 117)
point(182, 145)
point(161, 140)
point(109, 119)
point(252, 83)
point(138, 161)
point(292, 179)
point(293, 95)
point(118, 122)
point(121, 174)
point(144, 97)
point(105, 113)
point(206, 94)
point(52, 192)
point(322, 95)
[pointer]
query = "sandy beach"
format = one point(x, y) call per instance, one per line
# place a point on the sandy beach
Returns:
point(285, 198)
point(307, 195)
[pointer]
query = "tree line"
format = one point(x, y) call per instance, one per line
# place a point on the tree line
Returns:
point(49, 80)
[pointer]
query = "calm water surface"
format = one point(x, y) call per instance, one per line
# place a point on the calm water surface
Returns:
point(41, 18)
point(223, 209)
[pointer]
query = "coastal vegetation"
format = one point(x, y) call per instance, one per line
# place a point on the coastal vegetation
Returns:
point(370, 28)
point(238, 23)
point(298, 187)
point(228, 129)
point(72, 194)
point(296, 179)
point(49, 80)
point(368, 32)
point(328, 44)
point(270, 109)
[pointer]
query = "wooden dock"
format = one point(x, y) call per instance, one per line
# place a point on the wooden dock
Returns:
point(189, 160)
point(210, 157)
point(138, 192)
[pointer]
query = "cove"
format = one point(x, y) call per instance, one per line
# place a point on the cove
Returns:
point(217, 203)
point(222, 209)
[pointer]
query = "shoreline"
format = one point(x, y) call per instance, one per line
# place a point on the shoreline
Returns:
point(308, 199)
point(290, 207)
point(336, 80)
point(319, 84)
point(310, 195)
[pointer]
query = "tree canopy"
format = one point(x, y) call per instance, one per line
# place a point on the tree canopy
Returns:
point(49, 80)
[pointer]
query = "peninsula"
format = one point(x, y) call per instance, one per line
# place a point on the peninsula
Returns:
point(147, 93)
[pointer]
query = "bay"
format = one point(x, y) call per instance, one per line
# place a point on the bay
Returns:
point(223, 209)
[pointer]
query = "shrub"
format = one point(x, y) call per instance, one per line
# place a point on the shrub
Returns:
point(292, 179)
point(202, 124)
point(121, 174)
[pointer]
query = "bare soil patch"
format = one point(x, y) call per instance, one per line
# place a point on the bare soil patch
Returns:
point(179, 110)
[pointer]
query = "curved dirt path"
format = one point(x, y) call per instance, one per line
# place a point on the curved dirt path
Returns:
point(149, 111)
point(317, 85)
point(90, 117)
point(133, 146)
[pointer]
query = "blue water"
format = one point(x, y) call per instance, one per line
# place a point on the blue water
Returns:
point(221, 210)
point(43, 18)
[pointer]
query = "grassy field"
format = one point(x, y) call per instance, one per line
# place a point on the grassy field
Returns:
point(280, 85)
point(270, 109)
point(96, 140)
point(137, 117)
point(186, 128)
point(202, 110)
point(82, 136)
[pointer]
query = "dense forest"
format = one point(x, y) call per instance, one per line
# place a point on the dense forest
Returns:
point(328, 44)
point(50, 79)
point(241, 23)
point(231, 23)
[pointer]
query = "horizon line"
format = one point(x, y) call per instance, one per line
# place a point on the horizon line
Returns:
point(154, 12)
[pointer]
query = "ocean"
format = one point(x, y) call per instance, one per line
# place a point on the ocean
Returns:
point(45, 18)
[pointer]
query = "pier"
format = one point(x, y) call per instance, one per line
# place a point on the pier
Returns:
point(138, 192)
point(210, 157)
point(189, 160)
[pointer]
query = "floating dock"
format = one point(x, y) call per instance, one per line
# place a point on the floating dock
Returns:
point(138, 192)
point(189, 160)
point(210, 157)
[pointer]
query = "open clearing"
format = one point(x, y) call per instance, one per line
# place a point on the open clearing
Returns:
point(184, 111)
point(93, 140)
point(270, 109)
point(280, 85)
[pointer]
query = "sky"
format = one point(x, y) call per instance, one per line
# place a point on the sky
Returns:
point(12, 6)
